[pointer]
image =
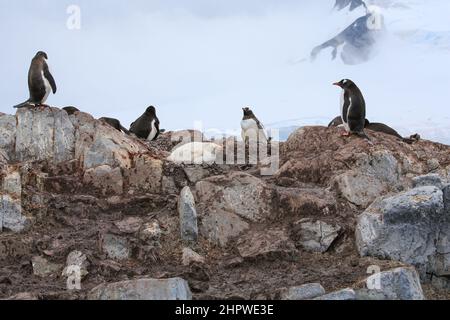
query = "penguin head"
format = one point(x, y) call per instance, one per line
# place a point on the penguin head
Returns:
point(344, 84)
point(247, 111)
point(42, 54)
point(150, 110)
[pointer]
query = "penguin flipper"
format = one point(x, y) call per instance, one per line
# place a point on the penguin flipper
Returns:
point(157, 129)
point(50, 79)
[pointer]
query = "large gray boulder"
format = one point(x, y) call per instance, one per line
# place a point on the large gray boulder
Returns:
point(373, 175)
point(143, 289)
point(44, 135)
point(404, 227)
point(397, 284)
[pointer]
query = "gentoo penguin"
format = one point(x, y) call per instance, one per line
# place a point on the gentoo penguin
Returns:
point(70, 110)
point(251, 126)
point(40, 81)
point(147, 126)
point(115, 124)
point(353, 108)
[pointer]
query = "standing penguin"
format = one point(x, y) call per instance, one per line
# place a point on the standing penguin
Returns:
point(251, 126)
point(353, 108)
point(40, 81)
point(147, 125)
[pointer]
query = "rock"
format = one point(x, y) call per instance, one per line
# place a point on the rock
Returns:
point(441, 260)
point(305, 201)
point(316, 236)
point(7, 137)
point(345, 294)
point(197, 153)
point(143, 289)
point(106, 179)
point(433, 164)
point(195, 173)
point(441, 283)
point(24, 296)
point(373, 176)
point(428, 180)
point(11, 212)
point(12, 182)
point(404, 227)
point(366, 294)
point(129, 225)
point(116, 247)
point(190, 257)
point(220, 227)
point(150, 232)
point(44, 135)
point(303, 292)
point(78, 260)
point(43, 268)
point(169, 186)
point(188, 216)
point(237, 193)
point(269, 245)
point(11, 217)
point(446, 196)
point(146, 175)
point(397, 284)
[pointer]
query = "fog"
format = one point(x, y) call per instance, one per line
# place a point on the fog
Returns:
point(204, 60)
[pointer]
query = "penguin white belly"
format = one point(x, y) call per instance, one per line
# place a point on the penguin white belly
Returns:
point(249, 129)
point(48, 88)
point(344, 123)
point(153, 132)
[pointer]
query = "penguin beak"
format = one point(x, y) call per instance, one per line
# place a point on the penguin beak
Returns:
point(337, 84)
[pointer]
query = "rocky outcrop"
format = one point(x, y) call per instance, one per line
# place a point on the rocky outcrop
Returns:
point(79, 198)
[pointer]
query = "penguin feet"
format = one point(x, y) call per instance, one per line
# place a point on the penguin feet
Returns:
point(345, 134)
point(41, 106)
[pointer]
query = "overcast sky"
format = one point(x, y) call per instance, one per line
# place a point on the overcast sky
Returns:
point(206, 59)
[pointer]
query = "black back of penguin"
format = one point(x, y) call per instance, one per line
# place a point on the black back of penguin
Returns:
point(147, 125)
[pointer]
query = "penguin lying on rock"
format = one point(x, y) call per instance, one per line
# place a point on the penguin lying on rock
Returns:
point(70, 110)
point(115, 124)
point(378, 127)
